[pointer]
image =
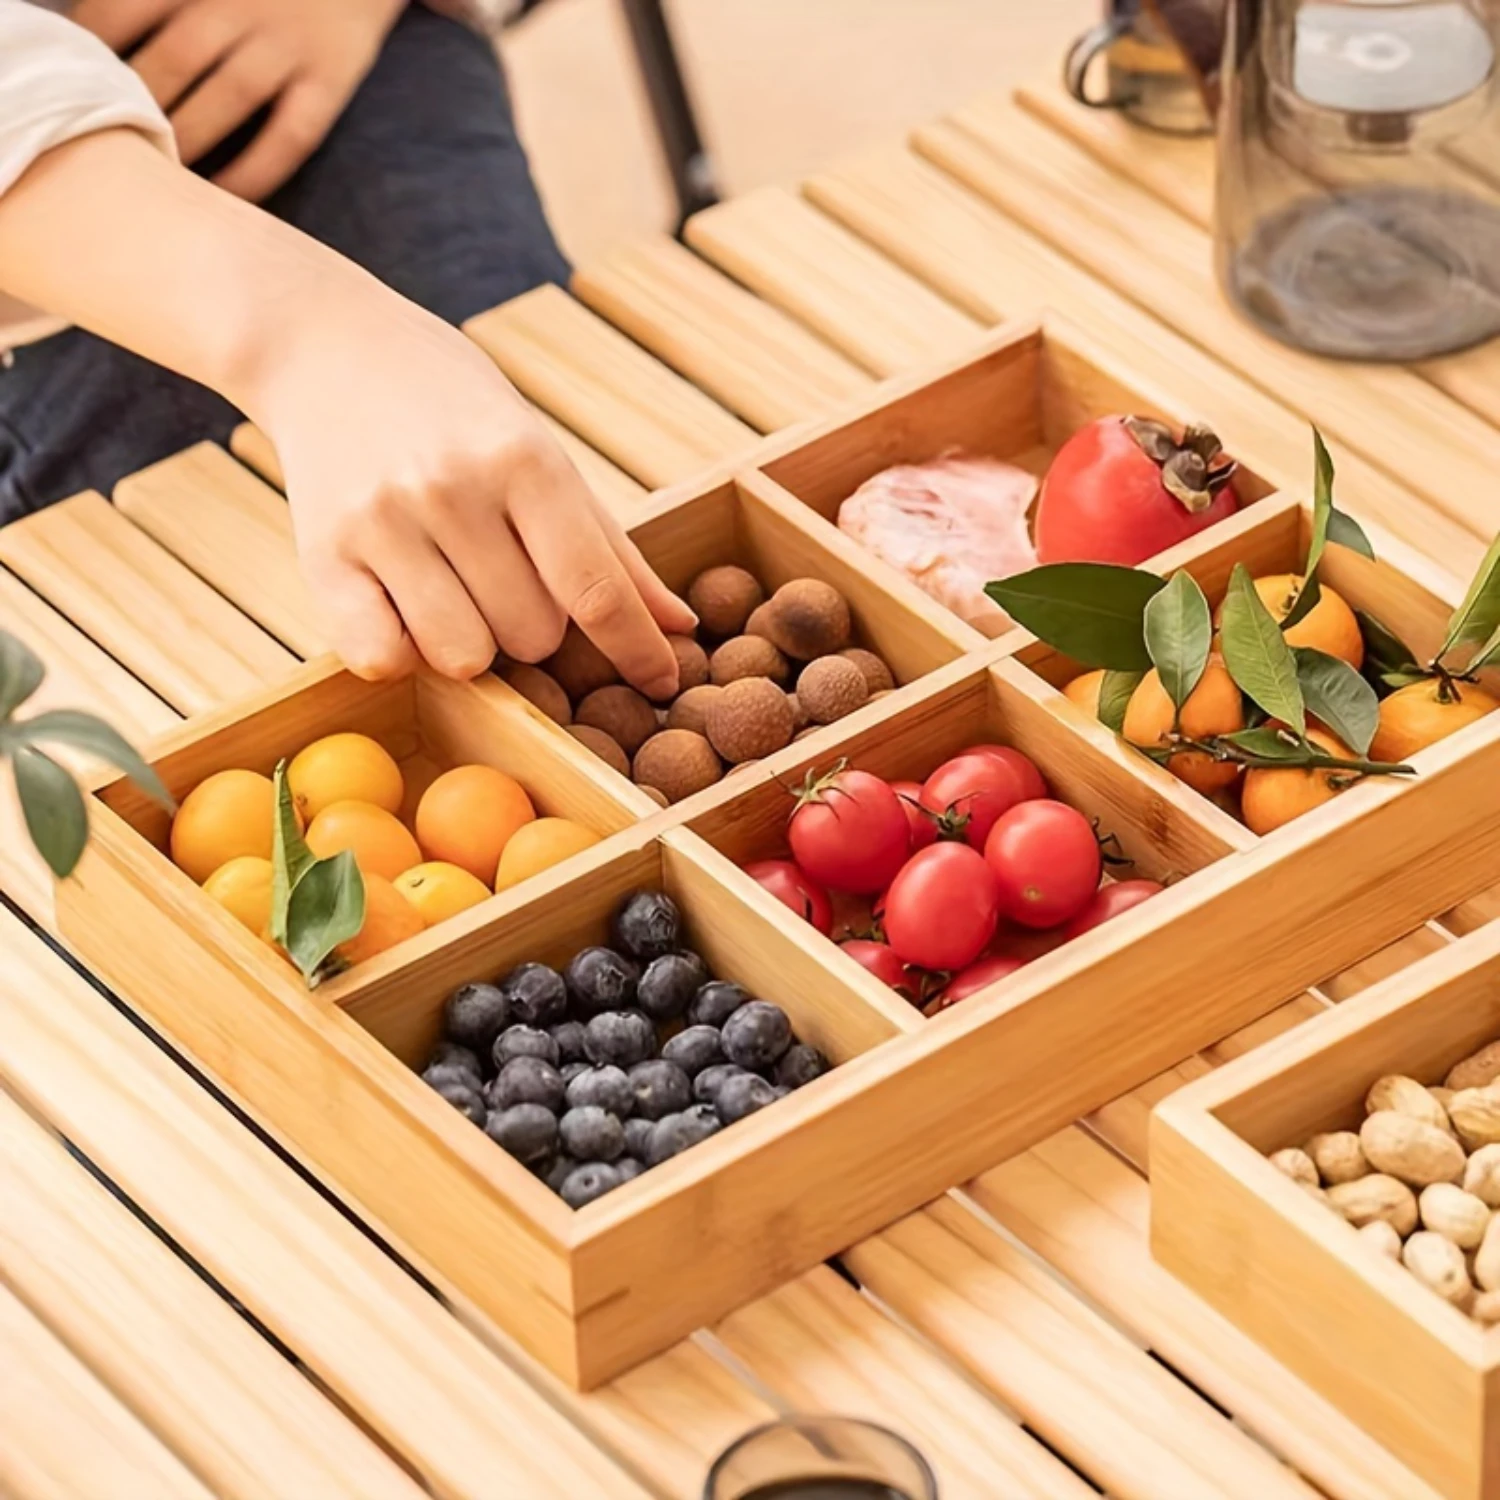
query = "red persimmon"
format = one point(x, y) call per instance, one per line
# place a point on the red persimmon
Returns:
point(1046, 862)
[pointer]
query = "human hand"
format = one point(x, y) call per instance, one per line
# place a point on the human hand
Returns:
point(212, 64)
point(435, 515)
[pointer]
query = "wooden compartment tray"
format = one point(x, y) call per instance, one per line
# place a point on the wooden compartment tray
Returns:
point(914, 1107)
point(1416, 1373)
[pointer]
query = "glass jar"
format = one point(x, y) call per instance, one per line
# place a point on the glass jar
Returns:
point(820, 1458)
point(1343, 222)
point(1146, 76)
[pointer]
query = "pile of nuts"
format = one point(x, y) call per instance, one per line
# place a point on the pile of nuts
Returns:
point(760, 673)
point(1420, 1180)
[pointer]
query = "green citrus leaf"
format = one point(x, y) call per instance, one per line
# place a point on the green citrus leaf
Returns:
point(1093, 612)
point(1335, 693)
point(21, 673)
point(1265, 744)
point(1257, 655)
point(1308, 595)
point(1385, 651)
point(327, 907)
point(1478, 617)
point(1179, 630)
point(56, 817)
point(1114, 697)
point(290, 856)
point(1345, 531)
point(69, 726)
point(1487, 653)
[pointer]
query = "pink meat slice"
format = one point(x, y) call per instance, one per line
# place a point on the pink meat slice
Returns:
point(951, 525)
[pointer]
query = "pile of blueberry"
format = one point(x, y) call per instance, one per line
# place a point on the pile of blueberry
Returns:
point(630, 1055)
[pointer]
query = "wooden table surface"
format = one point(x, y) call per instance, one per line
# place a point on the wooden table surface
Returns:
point(192, 1314)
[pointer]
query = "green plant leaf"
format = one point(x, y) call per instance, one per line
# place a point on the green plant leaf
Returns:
point(21, 673)
point(1257, 655)
point(1114, 697)
point(56, 817)
point(1093, 612)
point(69, 726)
point(327, 907)
point(1478, 617)
point(1179, 631)
point(1385, 651)
point(1344, 530)
point(1335, 693)
point(1487, 654)
point(290, 856)
point(1311, 591)
point(1265, 744)
point(1398, 680)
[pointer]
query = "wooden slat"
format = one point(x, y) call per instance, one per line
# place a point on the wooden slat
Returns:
point(822, 1347)
point(748, 354)
point(238, 1414)
point(63, 1435)
point(799, 259)
point(1439, 449)
point(961, 244)
point(231, 529)
point(651, 422)
point(116, 584)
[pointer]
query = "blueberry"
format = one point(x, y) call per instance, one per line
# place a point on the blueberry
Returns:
point(800, 1065)
point(571, 1070)
point(592, 1180)
point(647, 925)
point(638, 1136)
point(742, 1095)
point(537, 995)
point(756, 1035)
point(463, 1094)
point(707, 1084)
point(621, 1037)
point(629, 1168)
point(694, 1050)
point(715, 1003)
point(605, 1088)
point(669, 983)
point(527, 1131)
point(678, 1132)
point(599, 980)
point(524, 1041)
point(661, 1088)
point(592, 1134)
point(451, 1055)
point(558, 1171)
point(475, 1015)
point(528, 1080)
point(569, 1038)
point(439, 1075)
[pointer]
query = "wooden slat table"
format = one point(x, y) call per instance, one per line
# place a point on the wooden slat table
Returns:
point(1017, 1329)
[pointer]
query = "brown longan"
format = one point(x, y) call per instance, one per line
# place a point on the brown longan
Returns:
point(878, 676)
point(831, 688)
point(808, 619)
point(723, 598)
point(579, 666)
point(690, 711)
point(677, 763)
point(692, 662)
point(750, 719)
point(602, 746)
point(541, 690)
point(747, 656)
point(621, 712)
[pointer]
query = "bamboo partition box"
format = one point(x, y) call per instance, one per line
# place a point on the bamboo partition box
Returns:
point(914, 1106)
point(1419, 1375)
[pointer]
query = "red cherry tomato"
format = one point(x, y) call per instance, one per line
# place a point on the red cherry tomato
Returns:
point(924, 829)
point(1032, 783)
point(1104, 500)
point(849, 831)
point(1046, 862)
point(1024, 944)
point(941, 910)
point(1109, 901)
point(972, 790)
point(791, 886)
point(970, 981)
point(881, 960)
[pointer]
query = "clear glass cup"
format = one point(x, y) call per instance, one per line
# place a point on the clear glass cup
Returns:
point(1146, 77)
point(1354, 213)
point(820, 1458)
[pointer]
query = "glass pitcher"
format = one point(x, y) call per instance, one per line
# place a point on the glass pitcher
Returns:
point(1358, 204)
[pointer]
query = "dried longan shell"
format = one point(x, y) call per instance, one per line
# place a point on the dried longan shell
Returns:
point(877, 675)
point(831, 688)
point(602, 745)
point(723, 598)
point(622, 713)
point(690, 710)
point(677, 763)
point(579, 666)
point(808, 618)
point(749, 720)
point(747, 656)
point(541, 690)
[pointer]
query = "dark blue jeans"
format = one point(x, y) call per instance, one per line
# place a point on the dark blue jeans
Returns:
point(422, 181)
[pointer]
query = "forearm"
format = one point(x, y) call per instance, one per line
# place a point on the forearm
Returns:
point(107, 232)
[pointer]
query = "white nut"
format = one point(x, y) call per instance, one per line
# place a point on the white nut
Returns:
point(1376, 1197)
point(1482, 1175)
point(1410, 1149)
point(1476, 1116)
point(1485, 1308)
point(1438, 1263)
point(1454, 1214)
point(1338, 1156)
point(1442, 1095)
point(1379, 1234)
point(1297, 1165)
point(1476, 1070)
point(1487, 1257)
point(1406, 1097)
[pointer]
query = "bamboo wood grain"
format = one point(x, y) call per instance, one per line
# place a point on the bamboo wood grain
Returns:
point(651, 422)
point(761, 364)
point(374, 1336)
point(180, 637)
point(961, 245)
point(64, 1435)
point(822, 1347)
point(239, 1414)
point(234, 532)
point(798, 259)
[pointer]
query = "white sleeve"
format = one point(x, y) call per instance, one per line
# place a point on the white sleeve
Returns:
point(57, 82)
